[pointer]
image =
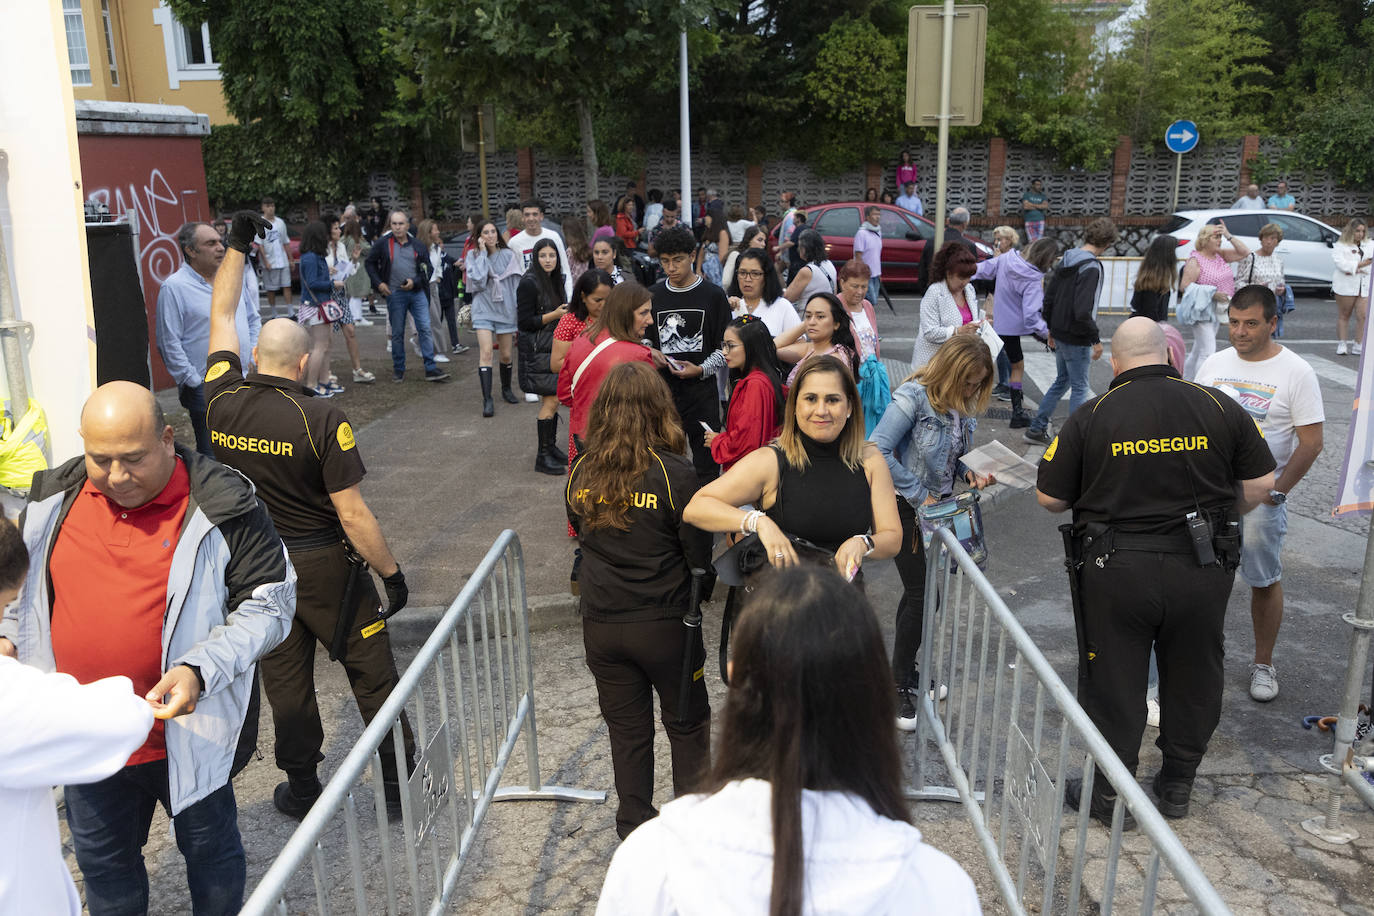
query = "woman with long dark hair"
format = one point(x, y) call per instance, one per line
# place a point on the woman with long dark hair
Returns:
point(579, 249)
point(923, 435)
point(539, 307)
point(816, 274)
point(317, 288)
point(493, 272)
point(820, 481)
point(600, 220)
point(752, 236)
point(804, 809)
point(715, 243)
point(828, 330)
point(753, 417)
point(625, 497)
point(626, 221)
point(608, 255)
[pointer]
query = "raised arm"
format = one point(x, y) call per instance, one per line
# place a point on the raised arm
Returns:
point(227, 292)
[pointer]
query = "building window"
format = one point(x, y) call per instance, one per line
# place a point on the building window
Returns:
point(77, 56)
point(189, 54)
point(109, 42)
point(195, 47)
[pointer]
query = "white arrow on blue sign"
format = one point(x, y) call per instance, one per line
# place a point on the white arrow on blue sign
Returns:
point(1181, 136)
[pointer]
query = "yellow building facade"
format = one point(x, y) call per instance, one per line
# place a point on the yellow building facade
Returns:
point(137, 51)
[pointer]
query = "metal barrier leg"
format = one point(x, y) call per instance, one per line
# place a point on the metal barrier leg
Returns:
point(1339, 763)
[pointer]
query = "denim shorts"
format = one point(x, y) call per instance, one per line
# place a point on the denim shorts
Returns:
point(1263, 530)
point(496, 327)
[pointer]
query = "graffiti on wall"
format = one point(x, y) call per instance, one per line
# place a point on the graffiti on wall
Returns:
point(161, 212)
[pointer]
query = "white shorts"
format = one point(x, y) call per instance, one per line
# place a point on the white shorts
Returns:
point(275, 278)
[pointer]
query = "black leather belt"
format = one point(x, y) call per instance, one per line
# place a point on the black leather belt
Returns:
point(327, 538)
point(1157, 543)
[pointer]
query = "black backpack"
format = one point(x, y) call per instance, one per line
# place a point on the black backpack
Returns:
point(1058, 308)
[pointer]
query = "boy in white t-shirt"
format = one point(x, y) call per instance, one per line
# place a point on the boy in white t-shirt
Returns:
point(1279, 389)
point(276, 263)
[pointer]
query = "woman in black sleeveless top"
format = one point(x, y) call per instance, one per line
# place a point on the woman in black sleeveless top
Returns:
point(820, 481)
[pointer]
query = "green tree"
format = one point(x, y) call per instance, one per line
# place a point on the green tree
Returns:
point(1203, 61)
point(532, 55)
point(858, 85)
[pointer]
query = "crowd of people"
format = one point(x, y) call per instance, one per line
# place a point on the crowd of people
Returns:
point(716, 385)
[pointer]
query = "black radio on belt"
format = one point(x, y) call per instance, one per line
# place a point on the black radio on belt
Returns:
point(1200, 534)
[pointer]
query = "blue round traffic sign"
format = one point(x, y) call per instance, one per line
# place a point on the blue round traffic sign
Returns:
point(1181, 136)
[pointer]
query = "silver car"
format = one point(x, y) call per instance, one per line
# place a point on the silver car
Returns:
point(1305, 249)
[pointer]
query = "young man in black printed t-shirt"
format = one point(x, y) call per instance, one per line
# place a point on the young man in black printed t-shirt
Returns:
point(690, 316)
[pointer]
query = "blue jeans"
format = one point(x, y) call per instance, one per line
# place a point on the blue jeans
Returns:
point(193, 399)
point(874, 288)
point(416, 303)
point(1286, 305)
point(109, 821)
point(1071, 363)
point(1003, 367)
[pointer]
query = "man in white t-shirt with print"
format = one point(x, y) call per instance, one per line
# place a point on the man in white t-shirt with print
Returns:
point(1279, 389)
point(522, 243)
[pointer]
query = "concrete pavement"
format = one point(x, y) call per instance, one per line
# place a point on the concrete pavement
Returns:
point(443, 481)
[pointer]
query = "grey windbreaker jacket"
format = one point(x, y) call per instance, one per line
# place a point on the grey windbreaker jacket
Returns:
point(231, 596)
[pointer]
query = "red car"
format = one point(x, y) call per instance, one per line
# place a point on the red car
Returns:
point(904, 236)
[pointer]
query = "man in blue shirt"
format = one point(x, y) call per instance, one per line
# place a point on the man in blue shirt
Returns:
point(909, 201)
point(1282, 200)
point(1034, 203)
point(183, 321)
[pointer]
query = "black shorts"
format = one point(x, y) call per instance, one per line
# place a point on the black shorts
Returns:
point(1012, 345)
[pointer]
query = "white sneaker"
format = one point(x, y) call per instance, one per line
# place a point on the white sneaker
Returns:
point(1340, 348)
point(1356, 349)
point(1264, 683)
point(938, 695)
point(363, 323)
point(440, 358)
point(530, 397)
point(1152, 712)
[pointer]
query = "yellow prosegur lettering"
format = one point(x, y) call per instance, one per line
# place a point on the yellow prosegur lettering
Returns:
point(1049, 452)
point(345, 436)
point(251, 444)
point(1156, 446)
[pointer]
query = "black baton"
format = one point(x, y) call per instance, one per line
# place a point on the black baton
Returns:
point(348, 607)
point(1072, 562)
point(691, 670)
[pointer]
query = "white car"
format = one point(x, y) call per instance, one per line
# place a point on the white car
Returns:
point(1305, 249)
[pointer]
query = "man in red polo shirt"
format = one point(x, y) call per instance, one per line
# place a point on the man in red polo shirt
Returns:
point(150, 561)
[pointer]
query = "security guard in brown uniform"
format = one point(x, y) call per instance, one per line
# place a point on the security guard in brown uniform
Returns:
point(1157, 471)
point(301, 455)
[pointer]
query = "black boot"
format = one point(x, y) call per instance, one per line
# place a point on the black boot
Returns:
point(488, 405)
point(1019, 418)
point(297, 795)
point(544, 463)
point(556, 453)
point(506, 394)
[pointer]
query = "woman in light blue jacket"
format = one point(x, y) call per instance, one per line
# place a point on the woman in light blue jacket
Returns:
point(924, 434)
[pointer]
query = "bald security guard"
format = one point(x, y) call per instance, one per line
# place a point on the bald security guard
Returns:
point(1153, 564)
point(300, 453)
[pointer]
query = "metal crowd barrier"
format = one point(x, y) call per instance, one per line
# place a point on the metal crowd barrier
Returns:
point(1008, 733)
point(1118, 281)
point(470, 695)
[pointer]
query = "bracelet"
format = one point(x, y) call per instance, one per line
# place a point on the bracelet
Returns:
point(749, 524)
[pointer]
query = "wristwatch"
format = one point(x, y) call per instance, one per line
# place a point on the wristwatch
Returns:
point(1278, 497)
point(868, 543)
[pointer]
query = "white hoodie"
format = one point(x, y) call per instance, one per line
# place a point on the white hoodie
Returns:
point(713, 854)
point(55, 732)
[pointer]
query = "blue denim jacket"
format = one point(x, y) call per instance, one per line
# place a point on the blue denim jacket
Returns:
point(916, 441)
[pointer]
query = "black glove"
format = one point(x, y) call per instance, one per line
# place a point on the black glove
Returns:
point(246, 227)
point(396, 591)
